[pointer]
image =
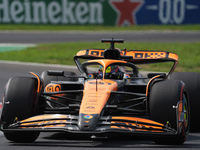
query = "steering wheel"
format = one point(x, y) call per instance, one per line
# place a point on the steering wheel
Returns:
point(116, 75)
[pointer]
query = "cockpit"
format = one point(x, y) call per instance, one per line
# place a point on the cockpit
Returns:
point(108, 69)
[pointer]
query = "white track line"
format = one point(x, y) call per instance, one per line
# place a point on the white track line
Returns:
point(16, 45)
point(38, 64)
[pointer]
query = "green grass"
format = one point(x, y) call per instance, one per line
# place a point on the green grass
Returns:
point(98, 27)
point(63, 53)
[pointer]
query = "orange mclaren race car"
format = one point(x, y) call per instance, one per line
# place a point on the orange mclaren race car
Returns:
point(110, 97)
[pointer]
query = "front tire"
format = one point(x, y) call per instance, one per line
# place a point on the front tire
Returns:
point(19, 104)
point(192, 81)
point(164, 98)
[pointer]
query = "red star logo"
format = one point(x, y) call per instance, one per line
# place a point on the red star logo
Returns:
point(126, 10)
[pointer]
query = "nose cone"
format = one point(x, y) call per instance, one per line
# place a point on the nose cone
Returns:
point(88, 122)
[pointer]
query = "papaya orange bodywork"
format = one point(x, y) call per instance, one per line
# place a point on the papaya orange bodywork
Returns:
point(53, 87)
point(138, 119)
point(97, 92)
point(80, 53)
point(39, 84)
point(137, 125)
point(173, 56)
point(42, 117)
point(95, 95)
point(147, 88)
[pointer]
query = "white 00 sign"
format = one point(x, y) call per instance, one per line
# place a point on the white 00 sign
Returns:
point(172, 11)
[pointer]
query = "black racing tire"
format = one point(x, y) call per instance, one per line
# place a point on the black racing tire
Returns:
point(192, 81)
point(18, 104)
point(47, 78)
point(164, 95)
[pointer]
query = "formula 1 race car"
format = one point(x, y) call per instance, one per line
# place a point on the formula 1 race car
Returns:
point(110, 97)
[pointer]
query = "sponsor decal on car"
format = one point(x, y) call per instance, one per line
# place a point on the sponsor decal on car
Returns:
point(88, 116)
point(90, 107)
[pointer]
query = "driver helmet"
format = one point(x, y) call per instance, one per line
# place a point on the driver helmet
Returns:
point(110, 69)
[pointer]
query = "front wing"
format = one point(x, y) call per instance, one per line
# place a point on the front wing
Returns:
point(110, 124)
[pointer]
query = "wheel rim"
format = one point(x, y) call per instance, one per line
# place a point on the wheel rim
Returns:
point(185, 110)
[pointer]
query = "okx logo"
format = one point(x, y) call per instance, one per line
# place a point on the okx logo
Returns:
point(126, 11)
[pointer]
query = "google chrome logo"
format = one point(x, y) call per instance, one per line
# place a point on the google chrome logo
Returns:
point(88, 116)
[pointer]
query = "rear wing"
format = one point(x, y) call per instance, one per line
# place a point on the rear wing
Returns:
point(134, 56)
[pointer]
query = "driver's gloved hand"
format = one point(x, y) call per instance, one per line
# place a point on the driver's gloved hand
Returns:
point(116, 75)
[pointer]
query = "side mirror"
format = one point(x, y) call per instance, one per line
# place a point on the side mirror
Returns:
point(55, 73)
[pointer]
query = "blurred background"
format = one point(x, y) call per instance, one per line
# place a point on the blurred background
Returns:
point(51, 32)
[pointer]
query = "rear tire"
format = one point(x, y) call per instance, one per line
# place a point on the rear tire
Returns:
point(19, 104)
point(163, 96)
point(192, 81)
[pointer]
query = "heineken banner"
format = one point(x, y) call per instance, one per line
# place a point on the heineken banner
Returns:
point(100, 12)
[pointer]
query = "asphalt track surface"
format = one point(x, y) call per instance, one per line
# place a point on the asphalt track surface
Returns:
point(38, 37)
point(62, 141)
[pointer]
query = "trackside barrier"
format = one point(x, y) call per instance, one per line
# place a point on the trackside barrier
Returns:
point(100, 12)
